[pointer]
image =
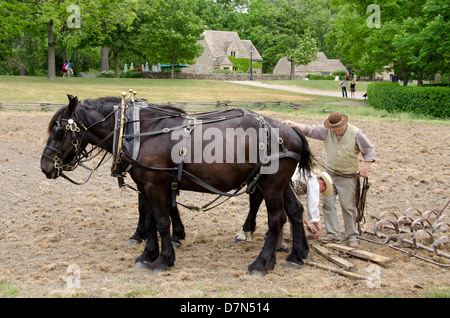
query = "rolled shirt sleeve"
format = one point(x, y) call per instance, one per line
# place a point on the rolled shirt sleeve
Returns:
point(365, 146)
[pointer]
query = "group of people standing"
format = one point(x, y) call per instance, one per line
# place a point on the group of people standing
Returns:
point(352, 86)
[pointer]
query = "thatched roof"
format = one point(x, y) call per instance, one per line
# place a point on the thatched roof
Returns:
point(221, 42)
point(319, 66)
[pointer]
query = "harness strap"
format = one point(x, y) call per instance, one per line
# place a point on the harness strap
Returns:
point(249, 182)
point(178, 172)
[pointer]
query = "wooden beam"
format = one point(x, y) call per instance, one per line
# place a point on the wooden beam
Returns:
point(382, 260)
point(334, 258)
point(339, 271)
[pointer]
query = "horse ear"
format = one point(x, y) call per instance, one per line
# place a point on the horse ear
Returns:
point(73, 101)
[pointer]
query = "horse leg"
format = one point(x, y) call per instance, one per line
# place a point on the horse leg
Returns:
point(277, 217)
point(294, 210)
point(249, 226)
point(151, 250)
point(159, 199)
point(141, 231)
point(178, 232)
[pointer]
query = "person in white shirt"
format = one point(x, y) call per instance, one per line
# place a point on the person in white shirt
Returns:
point(312, 185)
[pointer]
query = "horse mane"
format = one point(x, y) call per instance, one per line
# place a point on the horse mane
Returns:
point(105, 105)
point(55, 116)
point(167, 107)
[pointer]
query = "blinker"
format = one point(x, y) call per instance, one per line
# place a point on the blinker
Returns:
point(59, 134)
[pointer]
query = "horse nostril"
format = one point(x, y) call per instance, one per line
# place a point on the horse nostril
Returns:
point(47, 174)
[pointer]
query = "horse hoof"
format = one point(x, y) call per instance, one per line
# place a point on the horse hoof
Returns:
point(242, 237)
point(257, 273)
point(157, 271)
point(237, 240)
point(293, 265)
point(134, 241)
point(142, 265)
point(176, 244)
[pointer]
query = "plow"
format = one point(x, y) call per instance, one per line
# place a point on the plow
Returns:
point(413, 233)
point(411, 230)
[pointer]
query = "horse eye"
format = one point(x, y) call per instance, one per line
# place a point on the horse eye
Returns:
point(59, 134)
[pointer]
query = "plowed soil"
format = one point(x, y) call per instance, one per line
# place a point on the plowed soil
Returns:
point(60, 239)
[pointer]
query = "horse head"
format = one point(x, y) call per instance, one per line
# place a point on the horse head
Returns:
point(65, 141)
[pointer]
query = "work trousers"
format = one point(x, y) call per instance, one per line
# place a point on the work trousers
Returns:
point(345, 189)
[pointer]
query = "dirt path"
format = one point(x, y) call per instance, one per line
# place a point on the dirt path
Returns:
point(51, 230)
point(337, 93)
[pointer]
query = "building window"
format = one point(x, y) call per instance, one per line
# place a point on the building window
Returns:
point(233, 53)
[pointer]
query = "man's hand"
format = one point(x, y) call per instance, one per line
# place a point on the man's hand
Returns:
point(364, 171)
point(314, 229)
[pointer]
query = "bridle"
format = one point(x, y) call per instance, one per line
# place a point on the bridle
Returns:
point(72, 127)
point(66, 126)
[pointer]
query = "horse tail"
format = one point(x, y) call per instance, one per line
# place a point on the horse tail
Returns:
point(305, 163)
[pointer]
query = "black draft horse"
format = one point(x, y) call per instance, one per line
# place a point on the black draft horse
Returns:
point(75, 126)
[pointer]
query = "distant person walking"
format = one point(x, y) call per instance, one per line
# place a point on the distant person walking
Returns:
point(344, 88)
point(352, 88)
point(65, 69)
point(70, 69)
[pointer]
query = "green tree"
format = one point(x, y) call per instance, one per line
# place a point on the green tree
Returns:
point(412, 36)
point(36, 14)
point(224, 15)
point(286, 30)
point(108, 24)
point(422, 41)
point(170, 32)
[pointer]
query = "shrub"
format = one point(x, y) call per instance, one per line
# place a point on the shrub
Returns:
point(437, 85)
point(131, 75)
point(339, 73)
point(223, 71)
point(242, 65)
point(320, 77)
point(431, 101)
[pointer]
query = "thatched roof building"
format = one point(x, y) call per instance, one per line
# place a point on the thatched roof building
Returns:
point(322, 65)
point(218, 46)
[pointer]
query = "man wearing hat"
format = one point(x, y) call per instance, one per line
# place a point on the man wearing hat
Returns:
point(343, 143)
point(312, 185)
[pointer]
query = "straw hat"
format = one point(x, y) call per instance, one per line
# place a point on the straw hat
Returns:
point(328, 182)
point(335, 121)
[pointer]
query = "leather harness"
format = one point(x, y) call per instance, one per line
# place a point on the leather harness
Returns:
point(127, 143)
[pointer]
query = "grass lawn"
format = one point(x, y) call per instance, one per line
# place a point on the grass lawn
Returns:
point(42, 89)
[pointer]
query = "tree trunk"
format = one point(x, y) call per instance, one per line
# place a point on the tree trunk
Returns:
point(292, 70)
point(116, 64)
point(51, 66)
point(22, 69)
point(420, 80)
point(105, 59)
point(173, 66)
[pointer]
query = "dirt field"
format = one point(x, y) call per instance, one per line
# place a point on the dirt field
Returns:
point(51, 230)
